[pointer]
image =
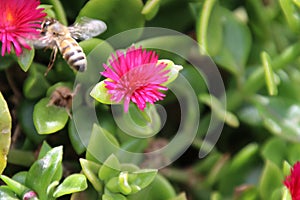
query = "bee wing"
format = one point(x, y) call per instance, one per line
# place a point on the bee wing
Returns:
point(41, 42)
point(87, 28)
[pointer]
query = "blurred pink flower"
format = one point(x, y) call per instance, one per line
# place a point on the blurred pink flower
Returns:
point(19, 21)
point(135, 76)
point(292, 182)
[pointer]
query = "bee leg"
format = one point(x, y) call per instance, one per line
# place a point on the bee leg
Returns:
point(52, 59)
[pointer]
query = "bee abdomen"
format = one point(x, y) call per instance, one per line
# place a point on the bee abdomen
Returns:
point(74, 56)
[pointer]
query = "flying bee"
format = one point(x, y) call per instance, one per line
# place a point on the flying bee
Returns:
point(56, 36)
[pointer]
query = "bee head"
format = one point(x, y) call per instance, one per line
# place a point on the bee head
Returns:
point(46, 23)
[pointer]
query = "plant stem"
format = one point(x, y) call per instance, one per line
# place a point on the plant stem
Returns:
point(59, 10)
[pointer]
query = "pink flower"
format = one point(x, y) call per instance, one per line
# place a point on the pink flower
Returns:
point(292, 182)
point(135, 76)
point(19, 21)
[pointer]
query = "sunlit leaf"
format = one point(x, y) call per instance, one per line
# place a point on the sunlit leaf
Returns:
point(25, 59)
point(5, 132)
point(49, 119)
point(43, 171)
point(73, 183)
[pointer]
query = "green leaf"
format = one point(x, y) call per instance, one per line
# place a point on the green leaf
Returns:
point(73, 183)
point(20, 177)
point(25, 117)
point(150, 9)
point(102, 144)
point(111, 196)
point(159, 189)
point(231, 50)
point(7, 194)
point(44, 150)
point(271, 180)
point(90, 170)
point(49, 119)
point(48, 9)
point(110, 168)
point(269, 74)
point(279, 114)
point(274, 150)
point(209, 28)
point(76, 141)
point(242, 164)
point(142, 178)
point(181, 196)
point(5, 132)
point(25, 59)
point(15, 186)
point(35, 86)
point(291, 13)
point(100, 93)
point(44, 171)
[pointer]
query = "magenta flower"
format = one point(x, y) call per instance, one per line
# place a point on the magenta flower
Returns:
point(19, 21)
point(136, 76)
point(292, 182)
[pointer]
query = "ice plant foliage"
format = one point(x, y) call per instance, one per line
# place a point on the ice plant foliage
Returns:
point(135, 75)
point(19, 21)
point(292, 182)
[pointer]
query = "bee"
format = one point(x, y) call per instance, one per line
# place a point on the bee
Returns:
point(57, 36)
point(62, 97)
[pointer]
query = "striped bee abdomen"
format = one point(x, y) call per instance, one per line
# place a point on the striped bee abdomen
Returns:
point(73, 54)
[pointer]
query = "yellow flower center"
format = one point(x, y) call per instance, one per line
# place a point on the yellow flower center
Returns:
point(9, 16)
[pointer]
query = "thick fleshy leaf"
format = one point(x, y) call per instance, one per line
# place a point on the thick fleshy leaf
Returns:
point(140, 124)
point(150, 9)
point(49, 119)
point(241, 164)
point(7, 194)
point(44, 171)
point(271, 179)
point(20, 177)
point(90, 170)
point(25, 117)
point(111, 196)
point(209, 28)
point(5, 132)
point(159, 189)
point(181, 196)
point(15, 186)
point(274, 150)
point(291, 14)
point(269, 74)
point(100, 93)
point(231, 49)
point(142, 178)
point(76, 141)
point(25, 59)
point(280, 116)
point(110, 168)
point(73, 183)
point(35, 86)
point(102, 144)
